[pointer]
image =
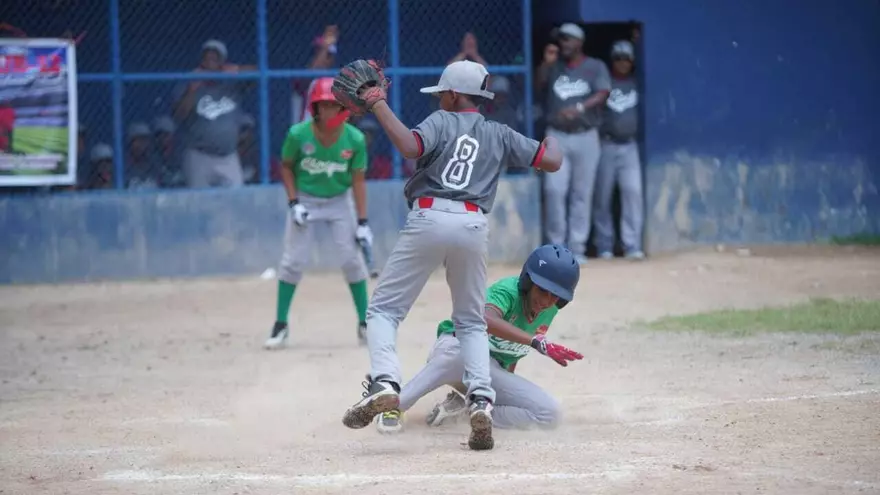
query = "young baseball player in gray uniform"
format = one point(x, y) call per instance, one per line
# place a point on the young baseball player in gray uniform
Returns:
point(620, 160)
point(519, 312)
point(460, 158)
point(575, 89)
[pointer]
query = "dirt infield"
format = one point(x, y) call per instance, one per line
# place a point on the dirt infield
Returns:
point(162, 388)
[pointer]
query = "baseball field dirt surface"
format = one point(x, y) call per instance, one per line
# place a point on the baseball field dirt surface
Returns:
point(162, 387)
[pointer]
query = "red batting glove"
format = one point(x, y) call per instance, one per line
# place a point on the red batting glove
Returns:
point(559, 353)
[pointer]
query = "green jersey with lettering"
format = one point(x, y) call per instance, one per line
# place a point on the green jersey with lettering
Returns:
point(322, 171)
point(505, 296)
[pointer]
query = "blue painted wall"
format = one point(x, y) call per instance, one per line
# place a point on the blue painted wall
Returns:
point(77, 237)
point(761, 117)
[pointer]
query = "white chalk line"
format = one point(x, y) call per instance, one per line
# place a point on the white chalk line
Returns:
point(101, 451)
point(343, 479)
point(187, 421)
point(352, 480)
point(849, 393)
point(790, 398)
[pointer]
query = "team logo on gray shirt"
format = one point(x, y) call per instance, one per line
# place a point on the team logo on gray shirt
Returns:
point(210, 108)
point(620, 102)
point(566, 87)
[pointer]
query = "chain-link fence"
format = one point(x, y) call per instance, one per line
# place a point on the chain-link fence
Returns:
point(141, 65)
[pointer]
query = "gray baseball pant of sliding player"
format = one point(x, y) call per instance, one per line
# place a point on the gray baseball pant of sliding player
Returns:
point(447, 234)
point(568, 193)
point(619, 164)
point(519, 403)
point(338, 213)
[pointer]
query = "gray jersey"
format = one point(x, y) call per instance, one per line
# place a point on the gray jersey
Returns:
point(566, 86)
point(214, 123)
point(621, 121)
point(463, 155)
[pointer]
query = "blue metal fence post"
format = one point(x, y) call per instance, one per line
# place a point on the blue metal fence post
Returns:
point(527, 60)
point(263, 55)
point(116, 95)
point(397, 89)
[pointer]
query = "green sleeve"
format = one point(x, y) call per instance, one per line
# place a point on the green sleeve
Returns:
point(290, 149)
point(503, 295)
point(359, 160)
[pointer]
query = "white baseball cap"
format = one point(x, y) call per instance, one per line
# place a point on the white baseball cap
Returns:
point(465, 77)
point(138, 129)
point(101, 151)
point(573, 30)
point(623, 47)
point(164, 124)
point(217, 46)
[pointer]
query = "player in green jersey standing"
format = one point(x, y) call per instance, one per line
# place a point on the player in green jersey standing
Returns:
point(324, 160)
point(519, 311)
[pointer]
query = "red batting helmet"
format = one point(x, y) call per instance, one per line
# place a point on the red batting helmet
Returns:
point(321, 91)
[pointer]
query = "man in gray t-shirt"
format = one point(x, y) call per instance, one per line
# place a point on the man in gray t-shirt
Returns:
point(620, 160)
point(210, 116)
point(574, 90)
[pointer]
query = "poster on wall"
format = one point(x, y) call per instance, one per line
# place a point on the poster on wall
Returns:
point(38, 114)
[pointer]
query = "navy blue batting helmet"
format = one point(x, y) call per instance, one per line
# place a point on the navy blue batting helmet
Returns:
point(553, 268)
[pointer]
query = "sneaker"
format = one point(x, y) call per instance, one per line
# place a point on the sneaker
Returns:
point(362, 333)
point(389, 423)
point(606, 255)
point(278, 339)
point(481, 425)
point(635, 255)
point(450, 409)
point(380, 397)
point(581, 259)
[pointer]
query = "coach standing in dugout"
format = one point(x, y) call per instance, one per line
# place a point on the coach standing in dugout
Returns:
point(620, 161)
point(575, 89)
point(210, 114)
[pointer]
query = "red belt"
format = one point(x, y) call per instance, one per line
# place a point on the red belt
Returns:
point(426, 203)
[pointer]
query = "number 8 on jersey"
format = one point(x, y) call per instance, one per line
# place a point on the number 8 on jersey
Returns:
point(457, 173)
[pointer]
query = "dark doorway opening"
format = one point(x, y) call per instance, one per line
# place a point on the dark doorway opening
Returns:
point(599, 39)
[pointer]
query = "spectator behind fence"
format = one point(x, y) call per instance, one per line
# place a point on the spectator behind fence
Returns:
point(325, 49)
point(503, 109)
point(381, 165)
point(142, 169)
point(101, 166)
point(575, 89)
point(469, 51)
point(210, 116)
point(167, 152)
point(83, 164)
point(248, 152)
point(620, 160)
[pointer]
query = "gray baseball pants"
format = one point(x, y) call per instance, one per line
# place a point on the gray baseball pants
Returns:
point(206, 170)
point(619, 165)
point(568, 193)
point(445, 234)
point(338, 213)
point(519, 403)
